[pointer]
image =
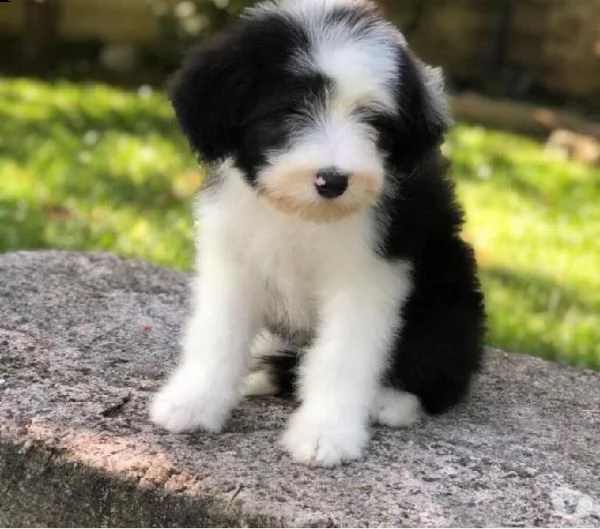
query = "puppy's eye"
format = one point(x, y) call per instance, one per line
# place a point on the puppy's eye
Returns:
point(273, 113)
point(287, 111)
point(296, 112)
point(366, 114)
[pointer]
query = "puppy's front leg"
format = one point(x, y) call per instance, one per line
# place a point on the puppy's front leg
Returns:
point(342, 371)
point(204, 389)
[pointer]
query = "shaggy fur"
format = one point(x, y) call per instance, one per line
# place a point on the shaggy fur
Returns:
point(330, 263)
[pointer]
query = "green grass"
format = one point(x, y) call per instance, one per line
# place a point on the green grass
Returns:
point(88, 167)
point(92, 167)
point(535, 222)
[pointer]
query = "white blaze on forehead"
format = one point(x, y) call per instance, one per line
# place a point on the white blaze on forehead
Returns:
point(363, 72)
point(360, 55)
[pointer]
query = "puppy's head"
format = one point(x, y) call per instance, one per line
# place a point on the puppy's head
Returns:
point(314, 100)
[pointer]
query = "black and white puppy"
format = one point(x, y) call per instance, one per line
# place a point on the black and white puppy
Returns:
point(328, 238)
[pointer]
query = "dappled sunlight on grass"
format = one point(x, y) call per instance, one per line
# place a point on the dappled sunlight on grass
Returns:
point(535, 222)
point(92, 167)
point(89, 167)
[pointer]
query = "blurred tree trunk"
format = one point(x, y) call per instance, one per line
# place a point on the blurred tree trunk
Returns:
point(387, 6)
point(413, 11)
point(40, 32)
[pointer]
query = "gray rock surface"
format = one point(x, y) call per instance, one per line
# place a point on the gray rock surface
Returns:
point(86, 338)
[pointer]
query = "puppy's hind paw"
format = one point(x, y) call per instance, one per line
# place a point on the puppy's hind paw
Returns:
point(395, 408)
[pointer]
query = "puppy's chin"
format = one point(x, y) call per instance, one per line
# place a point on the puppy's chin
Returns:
point(294, 192)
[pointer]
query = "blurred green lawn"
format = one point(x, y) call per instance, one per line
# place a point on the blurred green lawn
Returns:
point(88, 167)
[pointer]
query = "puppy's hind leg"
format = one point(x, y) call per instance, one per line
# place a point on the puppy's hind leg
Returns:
point(273, 367)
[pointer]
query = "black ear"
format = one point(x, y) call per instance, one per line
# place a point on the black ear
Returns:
point(209, 93)
point(422, 106)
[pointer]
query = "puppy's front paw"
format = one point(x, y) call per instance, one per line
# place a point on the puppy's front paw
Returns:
point(321, 441)
point(189, 403)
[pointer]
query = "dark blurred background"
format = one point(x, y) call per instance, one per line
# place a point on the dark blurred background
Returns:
point(528, 49)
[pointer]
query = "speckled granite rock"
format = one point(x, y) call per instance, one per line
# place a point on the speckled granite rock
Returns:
point(86, 338)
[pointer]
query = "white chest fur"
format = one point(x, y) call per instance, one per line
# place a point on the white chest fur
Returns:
point(291, 260)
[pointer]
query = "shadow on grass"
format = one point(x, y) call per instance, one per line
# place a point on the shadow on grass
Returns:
point(18, 223)
point(29, 225)
point(534, 314)
point(165, 239)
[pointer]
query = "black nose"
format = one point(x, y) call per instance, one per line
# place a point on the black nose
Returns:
point(331, 183)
